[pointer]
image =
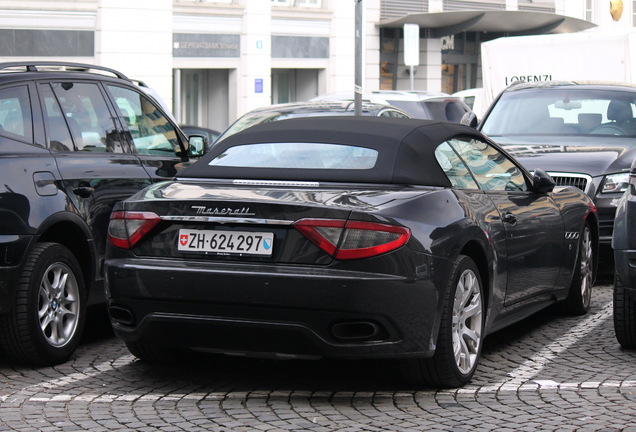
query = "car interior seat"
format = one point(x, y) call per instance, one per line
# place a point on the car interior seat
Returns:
point(620, 113)
point(589, 121)
point(537, 119)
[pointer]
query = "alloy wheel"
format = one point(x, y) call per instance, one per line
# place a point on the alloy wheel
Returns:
point(467, 321)
point(58, 304)
point(587, 275)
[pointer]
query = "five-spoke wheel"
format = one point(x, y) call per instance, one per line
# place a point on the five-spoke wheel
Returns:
point(46, 318)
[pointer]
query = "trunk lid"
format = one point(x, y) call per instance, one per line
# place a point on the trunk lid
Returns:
point(221, 222)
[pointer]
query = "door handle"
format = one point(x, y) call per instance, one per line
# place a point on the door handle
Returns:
point(83, 191)
point(508, 217)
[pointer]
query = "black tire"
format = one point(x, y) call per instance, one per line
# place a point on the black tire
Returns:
point(45, 322)
point(444, 369)
point(151, 353)
point(580, 295)
point(624, 316)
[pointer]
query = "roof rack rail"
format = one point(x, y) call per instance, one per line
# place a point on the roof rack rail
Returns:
point(32, 66)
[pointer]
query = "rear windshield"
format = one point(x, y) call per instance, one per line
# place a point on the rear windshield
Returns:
point(297, 155)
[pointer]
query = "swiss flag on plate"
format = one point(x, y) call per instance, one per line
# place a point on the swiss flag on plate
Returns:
point(183, 239)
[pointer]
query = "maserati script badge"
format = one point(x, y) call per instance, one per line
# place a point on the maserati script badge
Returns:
point(223, 211)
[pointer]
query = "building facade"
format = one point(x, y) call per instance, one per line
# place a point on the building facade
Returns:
point(213, 60)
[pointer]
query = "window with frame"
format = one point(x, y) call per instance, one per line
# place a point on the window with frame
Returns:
point(455, 169)
point(491, 169)
point(392, 113)
point(15, 114)
point(308, 3)
point(298, 155)
point(77, 118)
point(298, 3)
point(150, 129)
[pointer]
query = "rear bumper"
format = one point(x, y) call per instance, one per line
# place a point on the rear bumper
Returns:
point(270, 310)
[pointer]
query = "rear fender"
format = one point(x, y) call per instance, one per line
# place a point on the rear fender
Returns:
point(70, 230)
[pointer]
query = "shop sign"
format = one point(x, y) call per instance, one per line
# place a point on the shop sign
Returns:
point(205, 45)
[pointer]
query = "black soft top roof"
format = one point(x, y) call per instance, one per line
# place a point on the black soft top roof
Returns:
point(406, 149)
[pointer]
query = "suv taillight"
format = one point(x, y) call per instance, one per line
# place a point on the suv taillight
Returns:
point(353, 239)
point(127, 228)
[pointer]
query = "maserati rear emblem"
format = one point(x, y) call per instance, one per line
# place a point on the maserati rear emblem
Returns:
point(223, 211)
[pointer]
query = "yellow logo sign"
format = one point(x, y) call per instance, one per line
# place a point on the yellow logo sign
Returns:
point(616, 9)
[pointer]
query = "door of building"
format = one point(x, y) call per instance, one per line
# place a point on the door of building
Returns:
point(203, 96)
point(291, 85)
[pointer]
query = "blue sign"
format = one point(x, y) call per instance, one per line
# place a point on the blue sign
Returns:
point(258, 85)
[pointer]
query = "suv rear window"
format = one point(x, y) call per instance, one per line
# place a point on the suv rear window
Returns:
point(297, 155)
point(78, 110)
point(15, 114)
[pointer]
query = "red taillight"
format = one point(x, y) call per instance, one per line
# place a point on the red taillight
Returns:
point(353, 239)
point(127, 228)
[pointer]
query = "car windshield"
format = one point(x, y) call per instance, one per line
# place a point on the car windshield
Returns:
point(562, 112)
point(297, 156)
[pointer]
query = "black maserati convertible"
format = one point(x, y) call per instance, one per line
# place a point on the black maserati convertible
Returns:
point(351, 237)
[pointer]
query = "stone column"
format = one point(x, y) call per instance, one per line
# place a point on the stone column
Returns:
point(254, 84)
point(342, 48)
point(135, 37)
point(371, 74)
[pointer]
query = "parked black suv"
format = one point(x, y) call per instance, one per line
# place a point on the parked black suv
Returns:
point(74, 140)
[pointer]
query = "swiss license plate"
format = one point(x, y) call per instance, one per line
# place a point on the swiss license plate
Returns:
point(231, 242)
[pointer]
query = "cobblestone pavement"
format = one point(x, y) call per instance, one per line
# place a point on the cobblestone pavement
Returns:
point(548, 373)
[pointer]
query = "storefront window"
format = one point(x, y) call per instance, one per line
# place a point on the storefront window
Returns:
point(298, 3)
point(459, 61)
point(389, 46)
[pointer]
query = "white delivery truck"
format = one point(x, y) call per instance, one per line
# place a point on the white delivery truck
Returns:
point(595, 54)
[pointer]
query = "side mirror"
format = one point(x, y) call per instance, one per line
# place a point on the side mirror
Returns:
point(542, 182)
point(197, 145)
point(469, 119)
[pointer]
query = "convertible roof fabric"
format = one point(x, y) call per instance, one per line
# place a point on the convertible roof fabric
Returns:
point(405, 149)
